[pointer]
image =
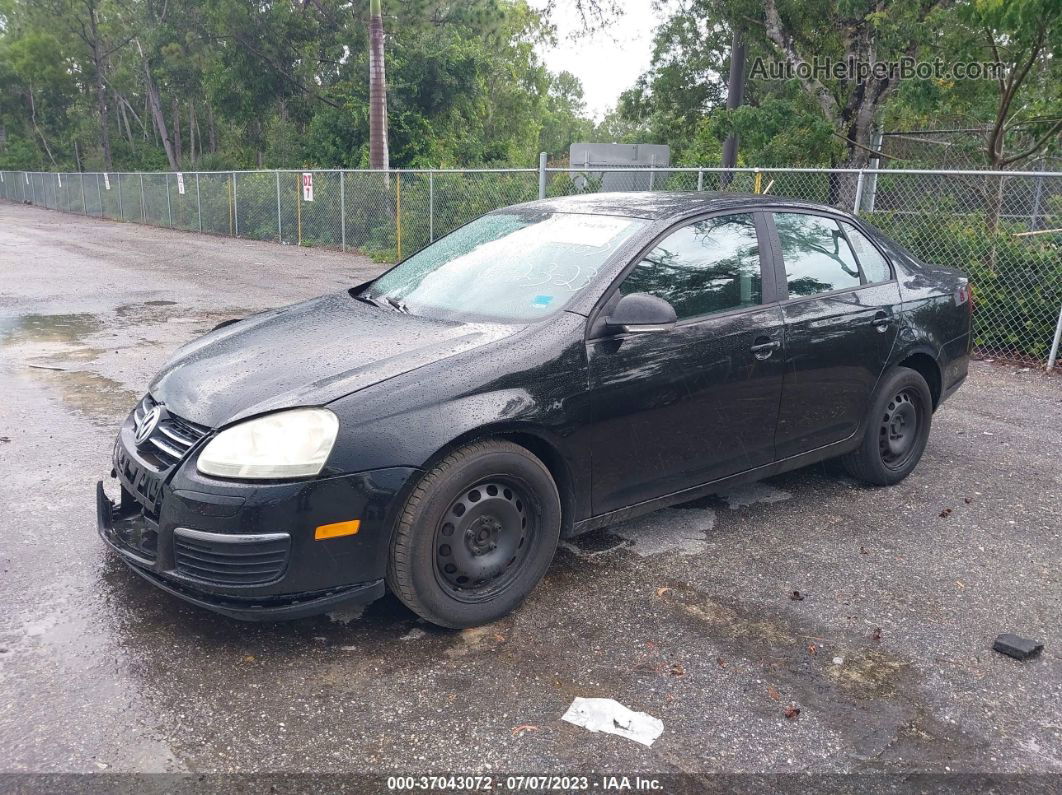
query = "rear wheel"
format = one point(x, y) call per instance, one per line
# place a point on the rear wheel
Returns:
point(896, 431)
point(476, 535)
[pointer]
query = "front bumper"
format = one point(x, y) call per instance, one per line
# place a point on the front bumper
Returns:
point(247, 550)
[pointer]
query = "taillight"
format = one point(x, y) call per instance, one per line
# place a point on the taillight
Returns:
point(964, 295)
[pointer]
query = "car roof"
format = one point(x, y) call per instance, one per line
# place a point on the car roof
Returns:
point(661, 204)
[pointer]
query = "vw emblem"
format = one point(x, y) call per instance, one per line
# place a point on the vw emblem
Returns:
point(147, 426)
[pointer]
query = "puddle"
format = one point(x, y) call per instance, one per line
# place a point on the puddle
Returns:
point(48, 329)
point(98, 398)
point(678, 530)
point(744, 496)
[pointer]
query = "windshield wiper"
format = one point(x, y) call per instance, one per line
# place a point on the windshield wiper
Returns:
point(366, 299)
point(398, 305)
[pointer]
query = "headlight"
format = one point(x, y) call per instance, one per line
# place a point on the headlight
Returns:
point(288, 444)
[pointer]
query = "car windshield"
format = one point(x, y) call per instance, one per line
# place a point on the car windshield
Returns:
point(509, 267)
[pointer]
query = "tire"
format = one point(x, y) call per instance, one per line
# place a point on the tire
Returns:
point(896, 432)
point(476, 535)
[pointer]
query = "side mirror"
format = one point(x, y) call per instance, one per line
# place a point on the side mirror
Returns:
point(640, 313)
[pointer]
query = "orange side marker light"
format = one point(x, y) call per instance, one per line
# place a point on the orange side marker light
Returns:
point(336, 530)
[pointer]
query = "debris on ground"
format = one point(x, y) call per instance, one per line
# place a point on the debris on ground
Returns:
point(609, 716)
point(945, 513)
point(796, 596)
point(773, 692)
point(876, 635)
point(1017, 647)
point(838, 660)
point(792, 711)
point(813, 649)
point(523, 728)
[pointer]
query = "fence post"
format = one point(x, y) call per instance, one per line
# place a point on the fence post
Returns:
point(99, 193)
point(143, 208)
point(1054, 345)
point(198, 202)
point(700, 179)
point(235, 205)
point(169, 207)
point(398, 216)
point(859, 194)
point(342, 210)
point(121, 208)
point(652, 171)
point(541, 175)
point(1034, 218)
point(280, 228)
point(84, 206)
point(431, 206)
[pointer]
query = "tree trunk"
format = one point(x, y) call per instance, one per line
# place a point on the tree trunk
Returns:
point(378, 157)
point(212, 130)
point(102, 107)
point(176, 130)
point(191, 132)
point(123, 116)
point(156, 112)
point(36, 127)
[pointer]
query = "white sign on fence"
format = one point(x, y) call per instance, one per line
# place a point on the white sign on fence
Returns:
point(60, 178)
point(180, 183)
point(307, 187)
point(106, 181)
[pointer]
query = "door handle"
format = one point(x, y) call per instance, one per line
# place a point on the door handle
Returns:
point(881, 321)
point(764, 347)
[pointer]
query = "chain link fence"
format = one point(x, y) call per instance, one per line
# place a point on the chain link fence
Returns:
point(1004, 229)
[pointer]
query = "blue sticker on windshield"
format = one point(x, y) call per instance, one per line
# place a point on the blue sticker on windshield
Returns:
point(542, 300)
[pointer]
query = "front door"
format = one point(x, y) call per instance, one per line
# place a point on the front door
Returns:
point(678, 408)
point(840, 326)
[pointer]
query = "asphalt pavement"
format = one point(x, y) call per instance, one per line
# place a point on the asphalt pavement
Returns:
point(870, 611)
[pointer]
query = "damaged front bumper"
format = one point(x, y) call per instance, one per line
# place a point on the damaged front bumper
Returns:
point(125, 532)
point(248, 550)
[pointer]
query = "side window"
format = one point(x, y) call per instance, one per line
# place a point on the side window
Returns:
point(817, 257)
point(875, 266)
point(708, 266)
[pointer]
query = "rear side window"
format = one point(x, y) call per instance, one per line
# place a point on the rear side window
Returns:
point(816, 255)
point(708, 266)
point(875, 266)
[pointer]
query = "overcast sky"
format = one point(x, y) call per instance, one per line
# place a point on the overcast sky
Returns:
point(608, 62)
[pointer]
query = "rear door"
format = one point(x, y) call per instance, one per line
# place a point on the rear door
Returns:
point(841, 315)
point(685, 406)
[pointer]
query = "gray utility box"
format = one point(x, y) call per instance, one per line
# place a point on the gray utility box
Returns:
point(645, 160)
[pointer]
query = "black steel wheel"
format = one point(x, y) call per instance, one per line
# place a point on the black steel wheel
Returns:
point(476, 535)
point(483, 540)
point(899, 431)
point(896, 431)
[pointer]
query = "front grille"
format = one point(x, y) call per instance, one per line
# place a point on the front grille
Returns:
point(172, 438)
point(230, 559)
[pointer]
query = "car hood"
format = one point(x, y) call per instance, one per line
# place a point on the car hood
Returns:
point(306, 354)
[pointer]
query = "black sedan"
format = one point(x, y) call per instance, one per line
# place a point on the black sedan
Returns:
point(546, 369)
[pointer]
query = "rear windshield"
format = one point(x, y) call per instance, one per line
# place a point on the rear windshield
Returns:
point(506, 267)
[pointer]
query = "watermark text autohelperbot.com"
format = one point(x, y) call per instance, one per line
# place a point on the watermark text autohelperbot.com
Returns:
point(852, 69)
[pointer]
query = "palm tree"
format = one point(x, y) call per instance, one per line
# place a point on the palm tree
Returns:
point(377, 89)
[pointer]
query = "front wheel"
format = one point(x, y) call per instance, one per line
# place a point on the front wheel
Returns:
point(896, 431)
point(476, 535)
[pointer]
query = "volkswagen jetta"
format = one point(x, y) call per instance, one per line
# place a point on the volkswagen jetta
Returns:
point(546, 369)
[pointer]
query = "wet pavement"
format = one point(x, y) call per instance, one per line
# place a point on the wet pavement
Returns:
point(688, 615)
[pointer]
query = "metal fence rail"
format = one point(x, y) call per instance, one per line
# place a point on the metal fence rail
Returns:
point(1002, 228)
